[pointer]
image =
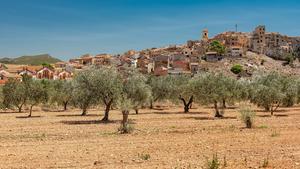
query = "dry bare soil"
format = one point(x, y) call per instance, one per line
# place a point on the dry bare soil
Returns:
point(163, 138)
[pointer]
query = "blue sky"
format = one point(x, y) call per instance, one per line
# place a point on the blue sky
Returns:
point(70, 28)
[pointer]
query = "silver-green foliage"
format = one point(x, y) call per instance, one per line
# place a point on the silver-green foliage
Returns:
point(272, 90)
point(181, 92)
point(161, 87)
point(37, 93)
point(214, 89)
point(97, 86)
point(61, 92)
point(137, 90)
point(14, 94)
point(83, 90)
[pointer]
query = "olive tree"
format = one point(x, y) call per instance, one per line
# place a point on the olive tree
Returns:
point(211, 89)
point(181, 92)
point(108, 87)
point(161, 88)
point(14, 94)
point(233, 90)
point(97, 86)
point(298, 90)
point(83, 92)
point(125, 104)
point(271, 90)
point(61, 92)
point(36, 94)
point(290, 89)
point(136, 89)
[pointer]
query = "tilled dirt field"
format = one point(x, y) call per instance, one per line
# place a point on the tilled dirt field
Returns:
point(163, 138)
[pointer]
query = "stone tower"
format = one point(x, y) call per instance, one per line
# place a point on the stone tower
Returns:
point(205, 35)
point(259, 39)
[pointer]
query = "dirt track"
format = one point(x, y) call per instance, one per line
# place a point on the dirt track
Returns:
point(172, 139)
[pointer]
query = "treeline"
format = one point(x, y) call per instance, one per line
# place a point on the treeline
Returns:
point(131, 90)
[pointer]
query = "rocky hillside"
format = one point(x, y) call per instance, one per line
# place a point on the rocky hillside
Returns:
point(252, 63)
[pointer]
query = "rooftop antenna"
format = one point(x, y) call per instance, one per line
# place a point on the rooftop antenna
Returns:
point(236, 27)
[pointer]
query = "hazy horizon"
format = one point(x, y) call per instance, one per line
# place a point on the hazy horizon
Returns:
point(67, 29)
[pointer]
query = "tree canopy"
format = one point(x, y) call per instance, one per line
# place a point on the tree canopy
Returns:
point(218, 47)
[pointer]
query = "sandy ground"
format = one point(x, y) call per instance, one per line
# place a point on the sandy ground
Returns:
point(169, 139)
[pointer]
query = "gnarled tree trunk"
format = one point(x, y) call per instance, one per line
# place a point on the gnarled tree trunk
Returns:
point(151, 104)
point(65, 106)
point(30, 111)
point(125, 114)
point(84, 112)
point(217, 113)
point(20, 108)
point(273, 109)
point(224, 103)
point(107, 109)
point(186, 105)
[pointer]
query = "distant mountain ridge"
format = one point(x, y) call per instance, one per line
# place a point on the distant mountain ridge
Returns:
point(30, 60)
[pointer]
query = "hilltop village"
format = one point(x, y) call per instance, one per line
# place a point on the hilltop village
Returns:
point(255, 51)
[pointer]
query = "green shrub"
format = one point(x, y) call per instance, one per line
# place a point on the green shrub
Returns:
point(214, 163)
point(144, 156)
point(263, 127)
point(125, 129)
point(236, 69)
point(265, 163)
point(275, 133)
point(247, 116)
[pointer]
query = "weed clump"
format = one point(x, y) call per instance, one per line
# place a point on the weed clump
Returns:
point(247, 116)
point(214, 163)
point(144, 156)
point(125, 129)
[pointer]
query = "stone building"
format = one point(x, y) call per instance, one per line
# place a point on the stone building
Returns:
point(233, 41)
point(63, 75)
point(102, 59)
point(205, 35)
point(5, 76)
point(258, 39)
point(45, 73)
point(273, 44)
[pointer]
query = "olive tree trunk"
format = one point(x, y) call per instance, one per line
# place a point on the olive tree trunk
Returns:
point(65, 106)
point(224, 103)
point(20, 107)
point(84, 112)
point(125, 114)
point(217, 113)
point(274, 108)
point(30, 111)
point(107, 109)
point(187, 105)
point(151, 104)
